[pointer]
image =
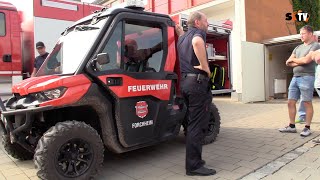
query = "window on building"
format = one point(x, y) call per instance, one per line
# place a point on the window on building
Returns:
point(2, 24)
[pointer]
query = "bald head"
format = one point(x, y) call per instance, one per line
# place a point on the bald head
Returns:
point(130, 42)
point(131, 47)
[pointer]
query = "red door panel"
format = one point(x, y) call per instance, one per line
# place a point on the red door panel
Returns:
point(5, 43)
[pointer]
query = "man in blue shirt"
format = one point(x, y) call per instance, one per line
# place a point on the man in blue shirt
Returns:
point(195, 88)
point(41, 48)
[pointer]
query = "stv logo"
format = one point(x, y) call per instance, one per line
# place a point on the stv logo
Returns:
point(141, 109)
point(298, 16)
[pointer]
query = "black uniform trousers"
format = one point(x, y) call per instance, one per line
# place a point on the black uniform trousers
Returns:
point(198, 98)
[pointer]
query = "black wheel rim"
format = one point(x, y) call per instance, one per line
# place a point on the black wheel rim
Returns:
point(74, 158)
point(211, 125)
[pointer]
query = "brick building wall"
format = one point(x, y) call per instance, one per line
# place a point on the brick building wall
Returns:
point(265, 19)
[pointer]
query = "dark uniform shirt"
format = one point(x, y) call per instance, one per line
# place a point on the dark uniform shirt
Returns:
point(39, 60)
point(187, 57)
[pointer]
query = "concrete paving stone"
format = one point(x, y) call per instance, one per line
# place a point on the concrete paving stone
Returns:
point(287, 150)
point(215, 148)
point(113, 175)
point(293, 168)
point(274, 177)
point(243, 170)
point(317, 161)
point(276, 152)
point(248, 164)
point(156, 172)
point(2, 176)
point(271, 167)
point(8, 165)
point(174, 160)
point(243, 151)
point(206, 177)
point(179, 177)
point(11, 172)
point(135, 171)
point(316, 149)
point(5, 160)
point(221, 178)
point(226, 166)
point(209, 156)
point(313, 177)
point(284, 160)
point(273, 147)
point(176, 155)
point(166, 175)
point(244, 157)
point(24, 165)
point(291, 155)
point(260, 161)
point(229, 174)
point(313, 171)
point(178, 170)
point(291, 175)
point(254, 144)
point(234, 143)
point(223, 153)
point(3, 155)
point(18, 177)
point(254, 176)
point(278, 142)
point(30, 172)
point(34, 178)
point(302, 149)
point(234, 149)
point(163, 164)
point(312, 157)
point(227, 159)
point(221, 143)
point(257, 149)
point(266, 156)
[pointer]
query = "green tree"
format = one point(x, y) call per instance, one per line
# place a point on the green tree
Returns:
point(312, 7)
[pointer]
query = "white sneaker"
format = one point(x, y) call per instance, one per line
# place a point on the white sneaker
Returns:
point(305, 132)
point(288, 129)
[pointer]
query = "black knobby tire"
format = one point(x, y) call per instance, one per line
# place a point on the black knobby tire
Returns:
point(60, 148)
point(15, 150)
point(214, 125)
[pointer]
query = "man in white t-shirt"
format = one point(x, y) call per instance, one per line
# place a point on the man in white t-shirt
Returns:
point(316, 57)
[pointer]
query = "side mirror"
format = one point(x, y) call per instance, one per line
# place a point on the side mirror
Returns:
point(102, 58)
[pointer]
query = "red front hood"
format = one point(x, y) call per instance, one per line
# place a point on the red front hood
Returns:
point(42, 83)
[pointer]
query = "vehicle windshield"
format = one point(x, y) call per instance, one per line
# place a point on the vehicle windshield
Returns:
point(71, 49)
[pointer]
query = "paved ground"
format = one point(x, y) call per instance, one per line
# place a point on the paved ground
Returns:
point(305, 167)
point(248, 141)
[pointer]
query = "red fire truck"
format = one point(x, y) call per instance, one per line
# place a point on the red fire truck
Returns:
point(23, 23)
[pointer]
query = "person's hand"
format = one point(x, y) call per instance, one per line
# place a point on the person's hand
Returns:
point(289, 61)
point(316, 56)
point(179, 30)
point(203, 69)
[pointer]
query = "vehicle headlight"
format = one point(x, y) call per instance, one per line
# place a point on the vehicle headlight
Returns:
point(55, 93)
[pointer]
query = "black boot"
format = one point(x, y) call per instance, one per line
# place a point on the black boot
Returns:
point(202, 171)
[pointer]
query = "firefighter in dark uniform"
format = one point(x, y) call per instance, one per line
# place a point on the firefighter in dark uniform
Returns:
point(43, 54)
point(195, 88)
